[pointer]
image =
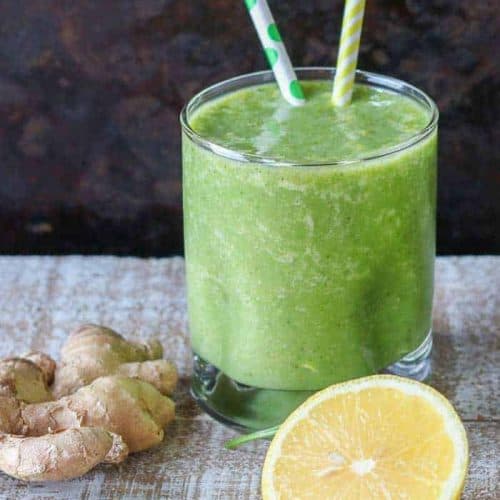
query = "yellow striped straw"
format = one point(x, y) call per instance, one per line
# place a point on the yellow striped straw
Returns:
point(348, 52)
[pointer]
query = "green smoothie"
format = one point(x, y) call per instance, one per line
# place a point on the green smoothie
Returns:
point(307, 262)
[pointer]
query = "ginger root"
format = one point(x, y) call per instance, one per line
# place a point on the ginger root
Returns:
point(112, 401)
point(64, 455)
point(45, 363)
point(94, 351)
point(27, 378)
point(132, 408)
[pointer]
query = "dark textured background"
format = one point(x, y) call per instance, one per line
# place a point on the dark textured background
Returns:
point(90, 91)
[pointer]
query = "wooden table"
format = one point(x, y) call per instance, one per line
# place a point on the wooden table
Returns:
point(42, 298)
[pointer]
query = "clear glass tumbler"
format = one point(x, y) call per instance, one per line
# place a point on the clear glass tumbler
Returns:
point(271, 320)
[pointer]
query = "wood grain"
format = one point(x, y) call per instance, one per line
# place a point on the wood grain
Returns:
point(42, 298)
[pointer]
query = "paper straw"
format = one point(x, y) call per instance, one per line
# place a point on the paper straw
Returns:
point(275, 51)
point(348, 52)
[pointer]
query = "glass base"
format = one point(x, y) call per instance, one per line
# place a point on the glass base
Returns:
point(416, 364)
point(251, 408)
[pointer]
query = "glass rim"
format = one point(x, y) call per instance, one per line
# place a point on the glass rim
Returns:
point(235, 83)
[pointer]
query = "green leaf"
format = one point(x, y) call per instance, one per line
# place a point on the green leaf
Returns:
point(246, 438)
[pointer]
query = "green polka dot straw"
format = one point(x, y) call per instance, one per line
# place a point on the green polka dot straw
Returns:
point(275, 51)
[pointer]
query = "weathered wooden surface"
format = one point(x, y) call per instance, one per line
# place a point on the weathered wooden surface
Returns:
point(42, 298)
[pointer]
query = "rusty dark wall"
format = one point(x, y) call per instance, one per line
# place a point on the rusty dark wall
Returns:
point(90, 91)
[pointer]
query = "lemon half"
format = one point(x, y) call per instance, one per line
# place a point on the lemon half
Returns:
point(376, 437)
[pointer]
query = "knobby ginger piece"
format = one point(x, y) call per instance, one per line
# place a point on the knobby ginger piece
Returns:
point(64, 455)
point(93, 351)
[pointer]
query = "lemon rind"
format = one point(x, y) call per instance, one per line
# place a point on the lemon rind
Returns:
point(452, 424)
